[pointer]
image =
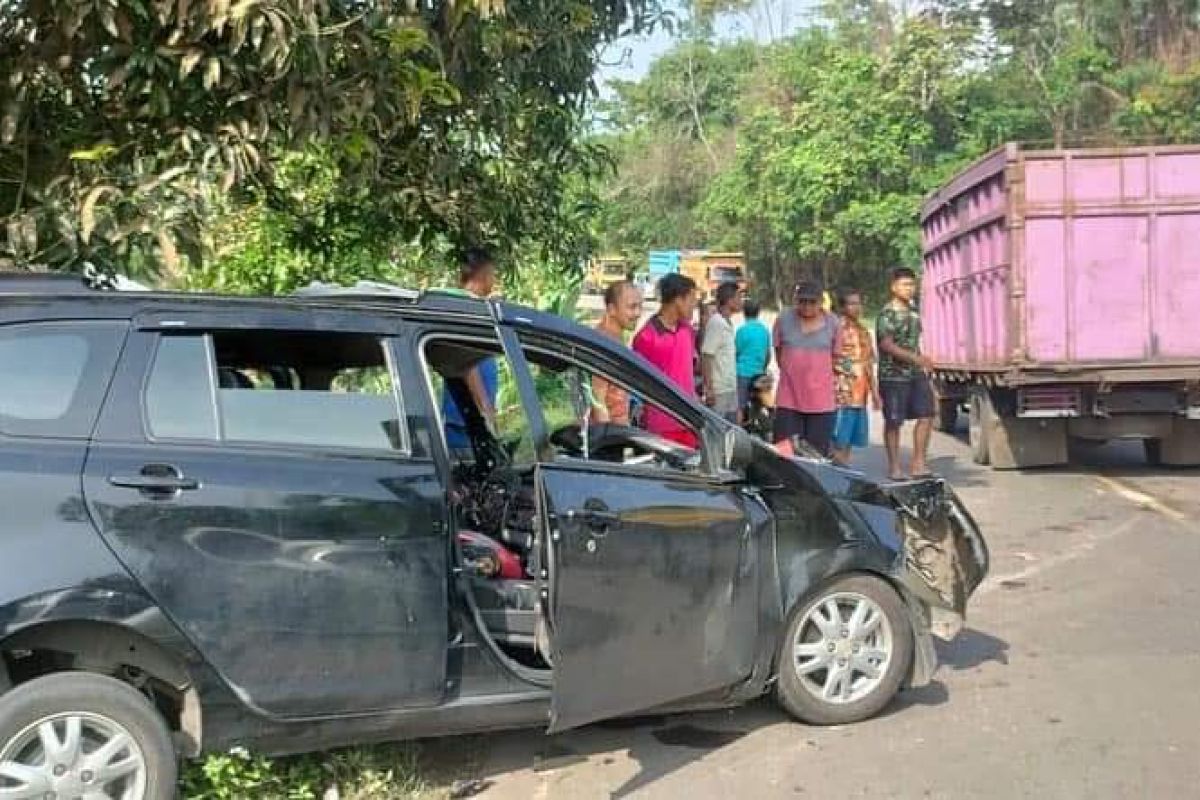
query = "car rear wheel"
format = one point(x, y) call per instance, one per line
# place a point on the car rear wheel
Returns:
point(77, 735)
point(845, 652)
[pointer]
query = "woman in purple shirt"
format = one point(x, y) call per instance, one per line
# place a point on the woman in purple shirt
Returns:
point(805, 340)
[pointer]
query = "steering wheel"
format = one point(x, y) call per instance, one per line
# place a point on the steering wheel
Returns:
point(605, 437)
point(568, 439)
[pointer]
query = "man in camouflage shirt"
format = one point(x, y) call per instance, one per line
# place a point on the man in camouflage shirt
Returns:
point(904, 376)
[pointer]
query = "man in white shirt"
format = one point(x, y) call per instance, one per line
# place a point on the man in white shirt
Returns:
point(719, 355)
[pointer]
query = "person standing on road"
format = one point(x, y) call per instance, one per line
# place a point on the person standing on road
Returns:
point(622, 310)
point(805, 340)
point(476, 278)
point(668, 341)
point(753, 345)
point(854, 368)
point(705, 313)
point(904, 376)
point(719, 355)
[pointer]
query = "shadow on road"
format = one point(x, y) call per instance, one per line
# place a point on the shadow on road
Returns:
point(663, 744)
point(659, 745)
point(970, 649)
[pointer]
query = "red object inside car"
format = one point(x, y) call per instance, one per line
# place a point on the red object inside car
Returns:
point(476, 547)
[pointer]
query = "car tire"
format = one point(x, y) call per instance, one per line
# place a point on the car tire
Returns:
point(947, 415)
point(100, 709)
point(803, 685)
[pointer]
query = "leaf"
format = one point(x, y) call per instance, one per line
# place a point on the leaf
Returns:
point(243, 8)
point(189, 61)
point(168, 252)
point(97, 153)
point(87, 212)
point(158, 180)
point(212, 73)
point(8, 123)
point(117, 78)
point(219, 11)
point(109, 20)
point(124, 28)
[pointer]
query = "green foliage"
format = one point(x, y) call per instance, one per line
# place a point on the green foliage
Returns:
point(371, 773)
point(823, 144)
point(126, 126)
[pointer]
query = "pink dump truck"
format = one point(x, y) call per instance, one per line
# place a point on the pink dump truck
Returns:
point(1061, 301)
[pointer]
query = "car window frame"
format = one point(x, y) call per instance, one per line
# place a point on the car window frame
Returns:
point(433, 398)
point(386, 341)
point(493, 338)
point(704, 470)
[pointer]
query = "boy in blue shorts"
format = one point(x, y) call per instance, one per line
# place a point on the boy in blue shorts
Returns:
point(854, 369)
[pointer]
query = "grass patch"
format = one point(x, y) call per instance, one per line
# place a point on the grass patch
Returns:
point(384, 772)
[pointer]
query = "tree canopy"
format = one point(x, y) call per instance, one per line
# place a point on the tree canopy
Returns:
point(131, 129)
point(812, 151)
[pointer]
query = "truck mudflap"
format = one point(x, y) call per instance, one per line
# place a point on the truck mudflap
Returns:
point(946, 557)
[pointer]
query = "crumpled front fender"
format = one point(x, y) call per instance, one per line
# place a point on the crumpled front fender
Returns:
point(945, 555)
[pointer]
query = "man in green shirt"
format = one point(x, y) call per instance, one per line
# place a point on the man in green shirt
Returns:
point(904, 376)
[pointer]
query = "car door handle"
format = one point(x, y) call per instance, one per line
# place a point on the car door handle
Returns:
point(156, 478)
point(594, 517)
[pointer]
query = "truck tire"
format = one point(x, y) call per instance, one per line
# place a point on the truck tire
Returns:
point(977, 427)
point(947, 418)
point(1153, 449)
point(1181, 448)
point(1013, 442)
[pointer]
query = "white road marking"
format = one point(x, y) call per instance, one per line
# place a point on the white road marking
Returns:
point(1140, 498)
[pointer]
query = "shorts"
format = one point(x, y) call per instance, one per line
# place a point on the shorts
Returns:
point(816, 429)
point(725, 403)
point(743, 391)
point(850, 427)
point(906, 398)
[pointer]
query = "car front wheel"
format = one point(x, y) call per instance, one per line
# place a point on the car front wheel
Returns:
point(78, 735)
point(845, 652)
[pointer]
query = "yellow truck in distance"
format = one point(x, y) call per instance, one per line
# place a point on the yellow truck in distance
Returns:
point(710, 270)
point(605, 271)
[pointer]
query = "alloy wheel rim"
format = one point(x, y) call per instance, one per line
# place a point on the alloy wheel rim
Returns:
point(843, 648)
point(72, 756)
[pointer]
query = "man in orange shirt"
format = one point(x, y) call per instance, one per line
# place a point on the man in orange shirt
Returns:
point(622, 310)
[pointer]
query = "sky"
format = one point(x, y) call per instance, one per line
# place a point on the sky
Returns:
point(630, 58)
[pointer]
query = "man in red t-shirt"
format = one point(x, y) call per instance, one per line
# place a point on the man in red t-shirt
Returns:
point(668, 341)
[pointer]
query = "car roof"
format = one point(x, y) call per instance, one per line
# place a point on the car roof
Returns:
point(26, 295)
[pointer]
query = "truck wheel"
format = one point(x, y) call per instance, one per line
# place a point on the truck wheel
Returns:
point(74, 734)
point(947, 419)
point(845, 652)
point(977, 427)
point(1153, 449)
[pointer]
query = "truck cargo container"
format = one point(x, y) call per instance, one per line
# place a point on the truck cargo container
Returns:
point(1061, 301)
point(659, 263)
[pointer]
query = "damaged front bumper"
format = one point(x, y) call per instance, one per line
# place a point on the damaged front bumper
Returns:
point(945, 555)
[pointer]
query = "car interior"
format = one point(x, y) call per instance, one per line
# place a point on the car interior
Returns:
point(493, 494)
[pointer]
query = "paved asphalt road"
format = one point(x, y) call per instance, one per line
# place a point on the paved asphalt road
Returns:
point(1077, 676)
